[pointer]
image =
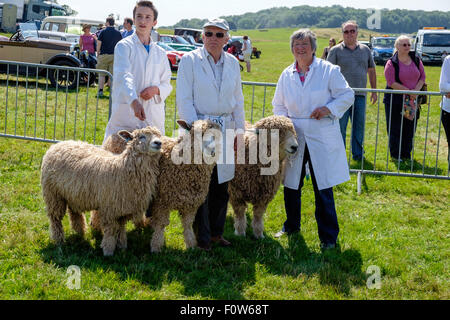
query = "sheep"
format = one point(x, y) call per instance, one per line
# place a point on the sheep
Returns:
point(81, 177)
point(248, 185)
point(181, 186)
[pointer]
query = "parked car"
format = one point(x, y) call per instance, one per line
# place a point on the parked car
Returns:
point(55, 35)
point(176, 42)
point(193, 36)
point(173, 55)
point(69, 24)
point(26, 46)
point(382, 48)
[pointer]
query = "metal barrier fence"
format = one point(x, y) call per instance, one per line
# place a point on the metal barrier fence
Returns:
point(37, 111)
point(49, 103)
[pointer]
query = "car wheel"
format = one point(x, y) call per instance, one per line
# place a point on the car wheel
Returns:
point(63, 78)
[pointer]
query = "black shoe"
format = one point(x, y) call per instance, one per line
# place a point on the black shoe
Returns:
point(221, 241)
point(204, 246)
point(327, 246)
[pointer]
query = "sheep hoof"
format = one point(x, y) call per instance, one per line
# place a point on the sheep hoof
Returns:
point(108, 253)
point(259, 236)
point(241, 234)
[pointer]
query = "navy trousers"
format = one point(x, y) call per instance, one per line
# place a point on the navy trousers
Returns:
point(325, 213)
point(211, 215)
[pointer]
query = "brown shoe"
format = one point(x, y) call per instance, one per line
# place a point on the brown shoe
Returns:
point(204, 246)
point(221, 241)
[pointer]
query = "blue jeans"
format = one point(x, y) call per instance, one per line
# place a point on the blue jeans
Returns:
point(326, 217)
point(357, 115)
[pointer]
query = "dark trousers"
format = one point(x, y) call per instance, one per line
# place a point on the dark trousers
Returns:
point(210, 218)
point(446, 123)
point(397, 129)
point(326, 217)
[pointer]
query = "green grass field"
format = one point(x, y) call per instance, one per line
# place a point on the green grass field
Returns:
point(400, 225)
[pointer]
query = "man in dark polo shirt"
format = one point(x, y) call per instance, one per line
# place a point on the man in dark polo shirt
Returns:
point(106, 43)
point(356, 62)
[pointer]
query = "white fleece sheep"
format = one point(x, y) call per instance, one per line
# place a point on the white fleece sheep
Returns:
point(249, 185)
point(181, 187)
point(82, 177)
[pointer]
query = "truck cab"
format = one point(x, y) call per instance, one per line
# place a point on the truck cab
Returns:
point(382, 48)
point(432, 44)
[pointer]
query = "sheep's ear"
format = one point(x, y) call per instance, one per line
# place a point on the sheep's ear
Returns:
point(124, 134)
point(183, 124)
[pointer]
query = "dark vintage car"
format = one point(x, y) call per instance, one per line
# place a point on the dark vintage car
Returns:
point(25, 45)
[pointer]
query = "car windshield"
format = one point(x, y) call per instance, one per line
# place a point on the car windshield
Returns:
point(165, 46)
point(28, 30)
point(383, 43)
point(181, 40)
point(436, 40)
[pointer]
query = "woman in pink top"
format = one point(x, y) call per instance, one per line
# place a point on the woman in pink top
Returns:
point(404, 71)
point(87, 40)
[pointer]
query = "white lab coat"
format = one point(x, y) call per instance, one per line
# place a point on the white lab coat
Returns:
point(134, 70)
point(324, 86)
point(199, 97)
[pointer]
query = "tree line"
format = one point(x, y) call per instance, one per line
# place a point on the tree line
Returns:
point(391, 21)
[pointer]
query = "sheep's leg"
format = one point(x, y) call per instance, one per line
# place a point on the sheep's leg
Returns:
point(240, 219)
point(159, 221)
point(78, 222)
point(111, 230)
point(95, 221)
point(56, 208)
point(122, 238)
point(139, 221)
point(258, 220)
point(187, 219)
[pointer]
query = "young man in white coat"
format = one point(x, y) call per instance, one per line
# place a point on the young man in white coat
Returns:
point(314, 95)
point(209, 87)
point(141, 77)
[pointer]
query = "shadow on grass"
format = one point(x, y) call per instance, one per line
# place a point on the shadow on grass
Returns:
point(223, 273)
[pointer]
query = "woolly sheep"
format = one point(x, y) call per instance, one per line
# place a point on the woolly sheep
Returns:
point(81, 177)
point(181, 187)
point(248, 185)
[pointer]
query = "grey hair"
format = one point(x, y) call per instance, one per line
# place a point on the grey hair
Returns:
point(397, 41)
point(349, 22)
point(301, 34)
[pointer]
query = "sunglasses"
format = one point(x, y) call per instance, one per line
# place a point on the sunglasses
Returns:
point(353, 31)
point(407, 45)
point(209, 34)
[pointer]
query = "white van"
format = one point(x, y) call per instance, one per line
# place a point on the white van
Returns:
point(69, 24)
point(431, 43)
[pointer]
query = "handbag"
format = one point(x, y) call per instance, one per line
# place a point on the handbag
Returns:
point(409, 108)
point(422, 99)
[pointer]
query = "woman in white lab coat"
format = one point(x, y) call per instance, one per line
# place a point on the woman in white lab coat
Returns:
point(314, 95)
point(141, 77)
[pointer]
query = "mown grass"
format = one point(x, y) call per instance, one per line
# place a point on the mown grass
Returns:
point(398, 224)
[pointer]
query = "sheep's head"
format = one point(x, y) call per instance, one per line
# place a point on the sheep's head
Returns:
point(146, 140)
point(286, 132)
point(203, 133)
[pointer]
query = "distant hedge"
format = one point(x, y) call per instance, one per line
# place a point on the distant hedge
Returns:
point(392, 21)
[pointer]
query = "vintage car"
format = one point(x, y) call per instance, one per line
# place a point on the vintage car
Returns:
point(25, 45)
point(176, 42)
point(173, 55)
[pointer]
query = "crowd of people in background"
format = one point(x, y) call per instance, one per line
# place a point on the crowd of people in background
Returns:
point(312, 92)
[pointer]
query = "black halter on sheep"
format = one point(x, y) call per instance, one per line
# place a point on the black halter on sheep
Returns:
point(253, 181)
point(82, 177)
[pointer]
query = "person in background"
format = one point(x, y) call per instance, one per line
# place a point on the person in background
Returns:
point(106, 43)
point(128, 27)
point(444, 86)
point(247, 52)
point(403, 71)
point(209, 87)
point(356, 62)
point(313, 94)
point(87, 40)
point(142, 77)
point(101, 27)
point(331, 44)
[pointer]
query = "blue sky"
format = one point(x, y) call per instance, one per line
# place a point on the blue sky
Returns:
point(171, 11)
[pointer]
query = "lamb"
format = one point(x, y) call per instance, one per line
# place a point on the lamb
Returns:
point(181, 186)
point(248, 185)
point(81, 177)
